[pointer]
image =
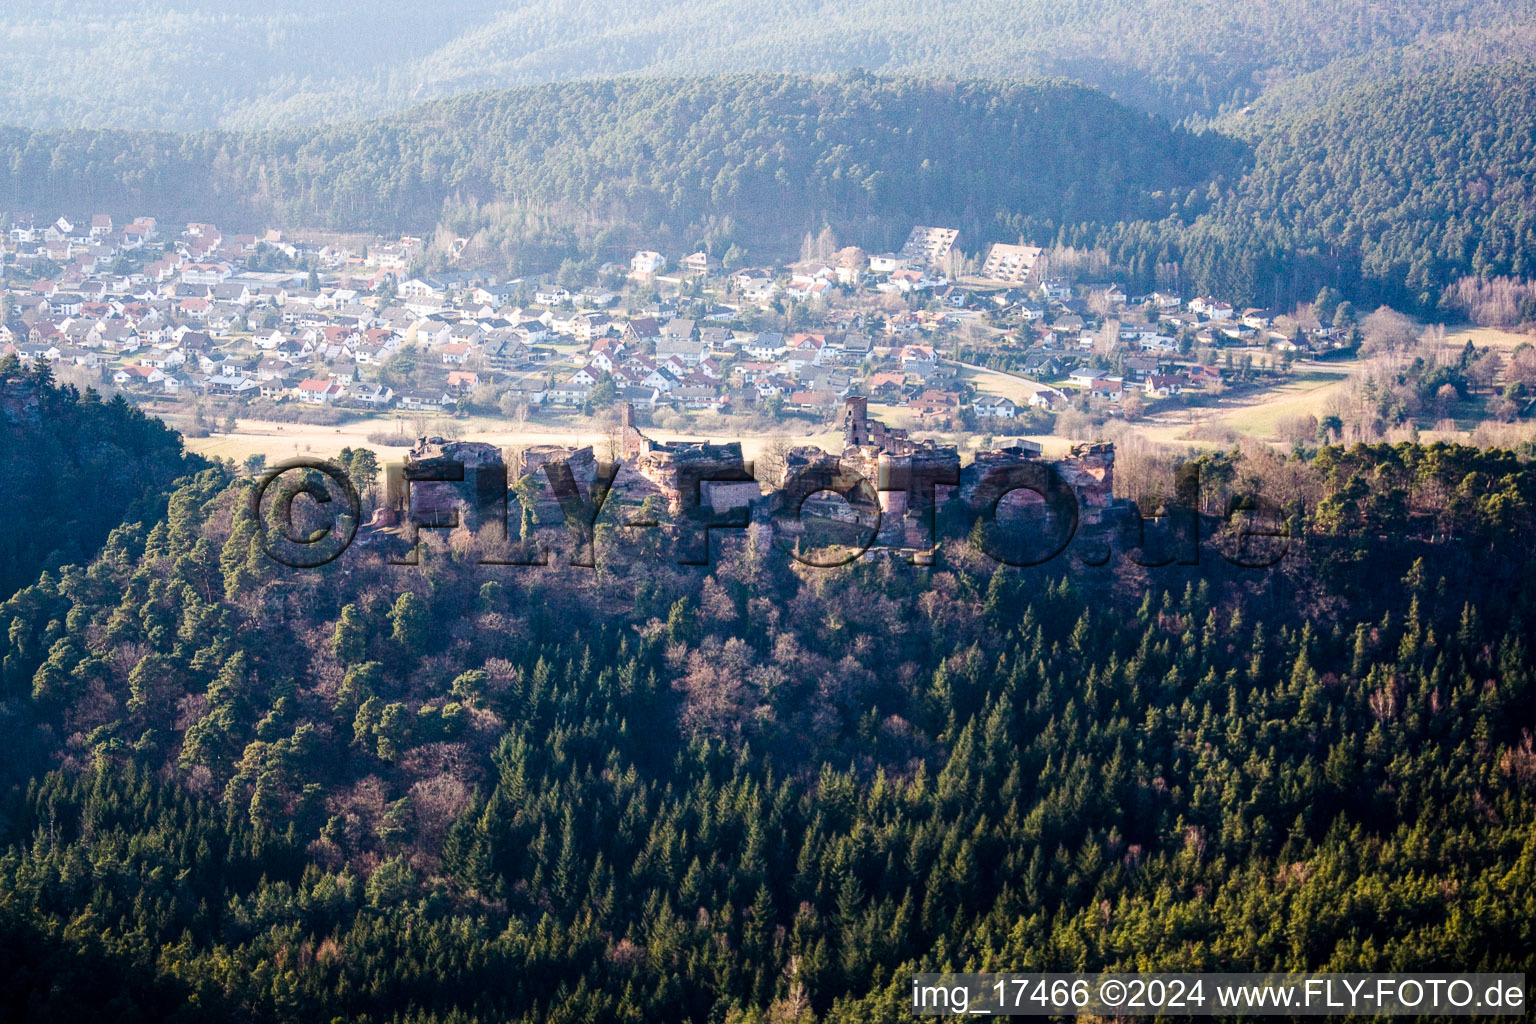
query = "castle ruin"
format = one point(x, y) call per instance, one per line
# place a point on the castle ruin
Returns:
point(901, 483)
point(445, 482)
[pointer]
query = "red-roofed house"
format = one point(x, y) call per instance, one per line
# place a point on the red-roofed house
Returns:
point(318, 392)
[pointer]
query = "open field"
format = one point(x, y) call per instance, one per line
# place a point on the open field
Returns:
point(1306, 395)
point(1255, 414)
point(287, 440)
point(1489, 337)
point(1004, 385)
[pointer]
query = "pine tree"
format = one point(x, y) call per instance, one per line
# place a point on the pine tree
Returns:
point(350, 638)
point(410, 623)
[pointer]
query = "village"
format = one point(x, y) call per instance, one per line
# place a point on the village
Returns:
point(272, 327)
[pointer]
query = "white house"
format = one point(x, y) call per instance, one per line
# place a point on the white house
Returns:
point(318, 392)
point(1211, 308)
point(206, 273)
point(138, 375)
point(416, 288)
point(768, 345)
point(995, 407)
point(226, 384)
point(1161, 385)
point(646, 262)
point(918, 357)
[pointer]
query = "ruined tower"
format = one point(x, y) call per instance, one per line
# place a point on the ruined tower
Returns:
point(855, 422)
point(860, 431)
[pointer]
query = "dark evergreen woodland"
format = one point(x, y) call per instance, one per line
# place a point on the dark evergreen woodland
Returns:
point(72, 467)
point(751, 793)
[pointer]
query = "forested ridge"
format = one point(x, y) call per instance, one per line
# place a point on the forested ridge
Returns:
point(1412, 181)
point(1390, 192)
point(752, 158)
point(754, 793)
point(73, 466)
point(195, 64)
point(1512, 40)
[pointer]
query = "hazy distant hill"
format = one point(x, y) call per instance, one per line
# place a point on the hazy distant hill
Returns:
point(757, 160)
point(1437, 54)
point(1390, 189)
point(185, 64)
point(1413, 179)
point(1392, 186)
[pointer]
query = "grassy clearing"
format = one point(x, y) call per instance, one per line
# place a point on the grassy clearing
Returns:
point(1253, 414)
point(1004, 385)
point(1262, 416)
point(286, 440)
point(1489, 337)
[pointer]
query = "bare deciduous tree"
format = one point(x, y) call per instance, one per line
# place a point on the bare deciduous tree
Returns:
point(1387, 330)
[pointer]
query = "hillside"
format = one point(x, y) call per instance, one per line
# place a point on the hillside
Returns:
point(1337, 79)
point(1403, 184)
point(73, 468)
point(1391, 189)
point(750, 794)
point(193, 64)
point(758, 159)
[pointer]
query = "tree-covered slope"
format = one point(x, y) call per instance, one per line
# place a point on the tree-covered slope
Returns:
point(1390, 190)
point(73, 467)
point(752, 794)
point(197, 64)
point(187, 64)
point(776, 155)
point(1424, 177)
point(1441, 52)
